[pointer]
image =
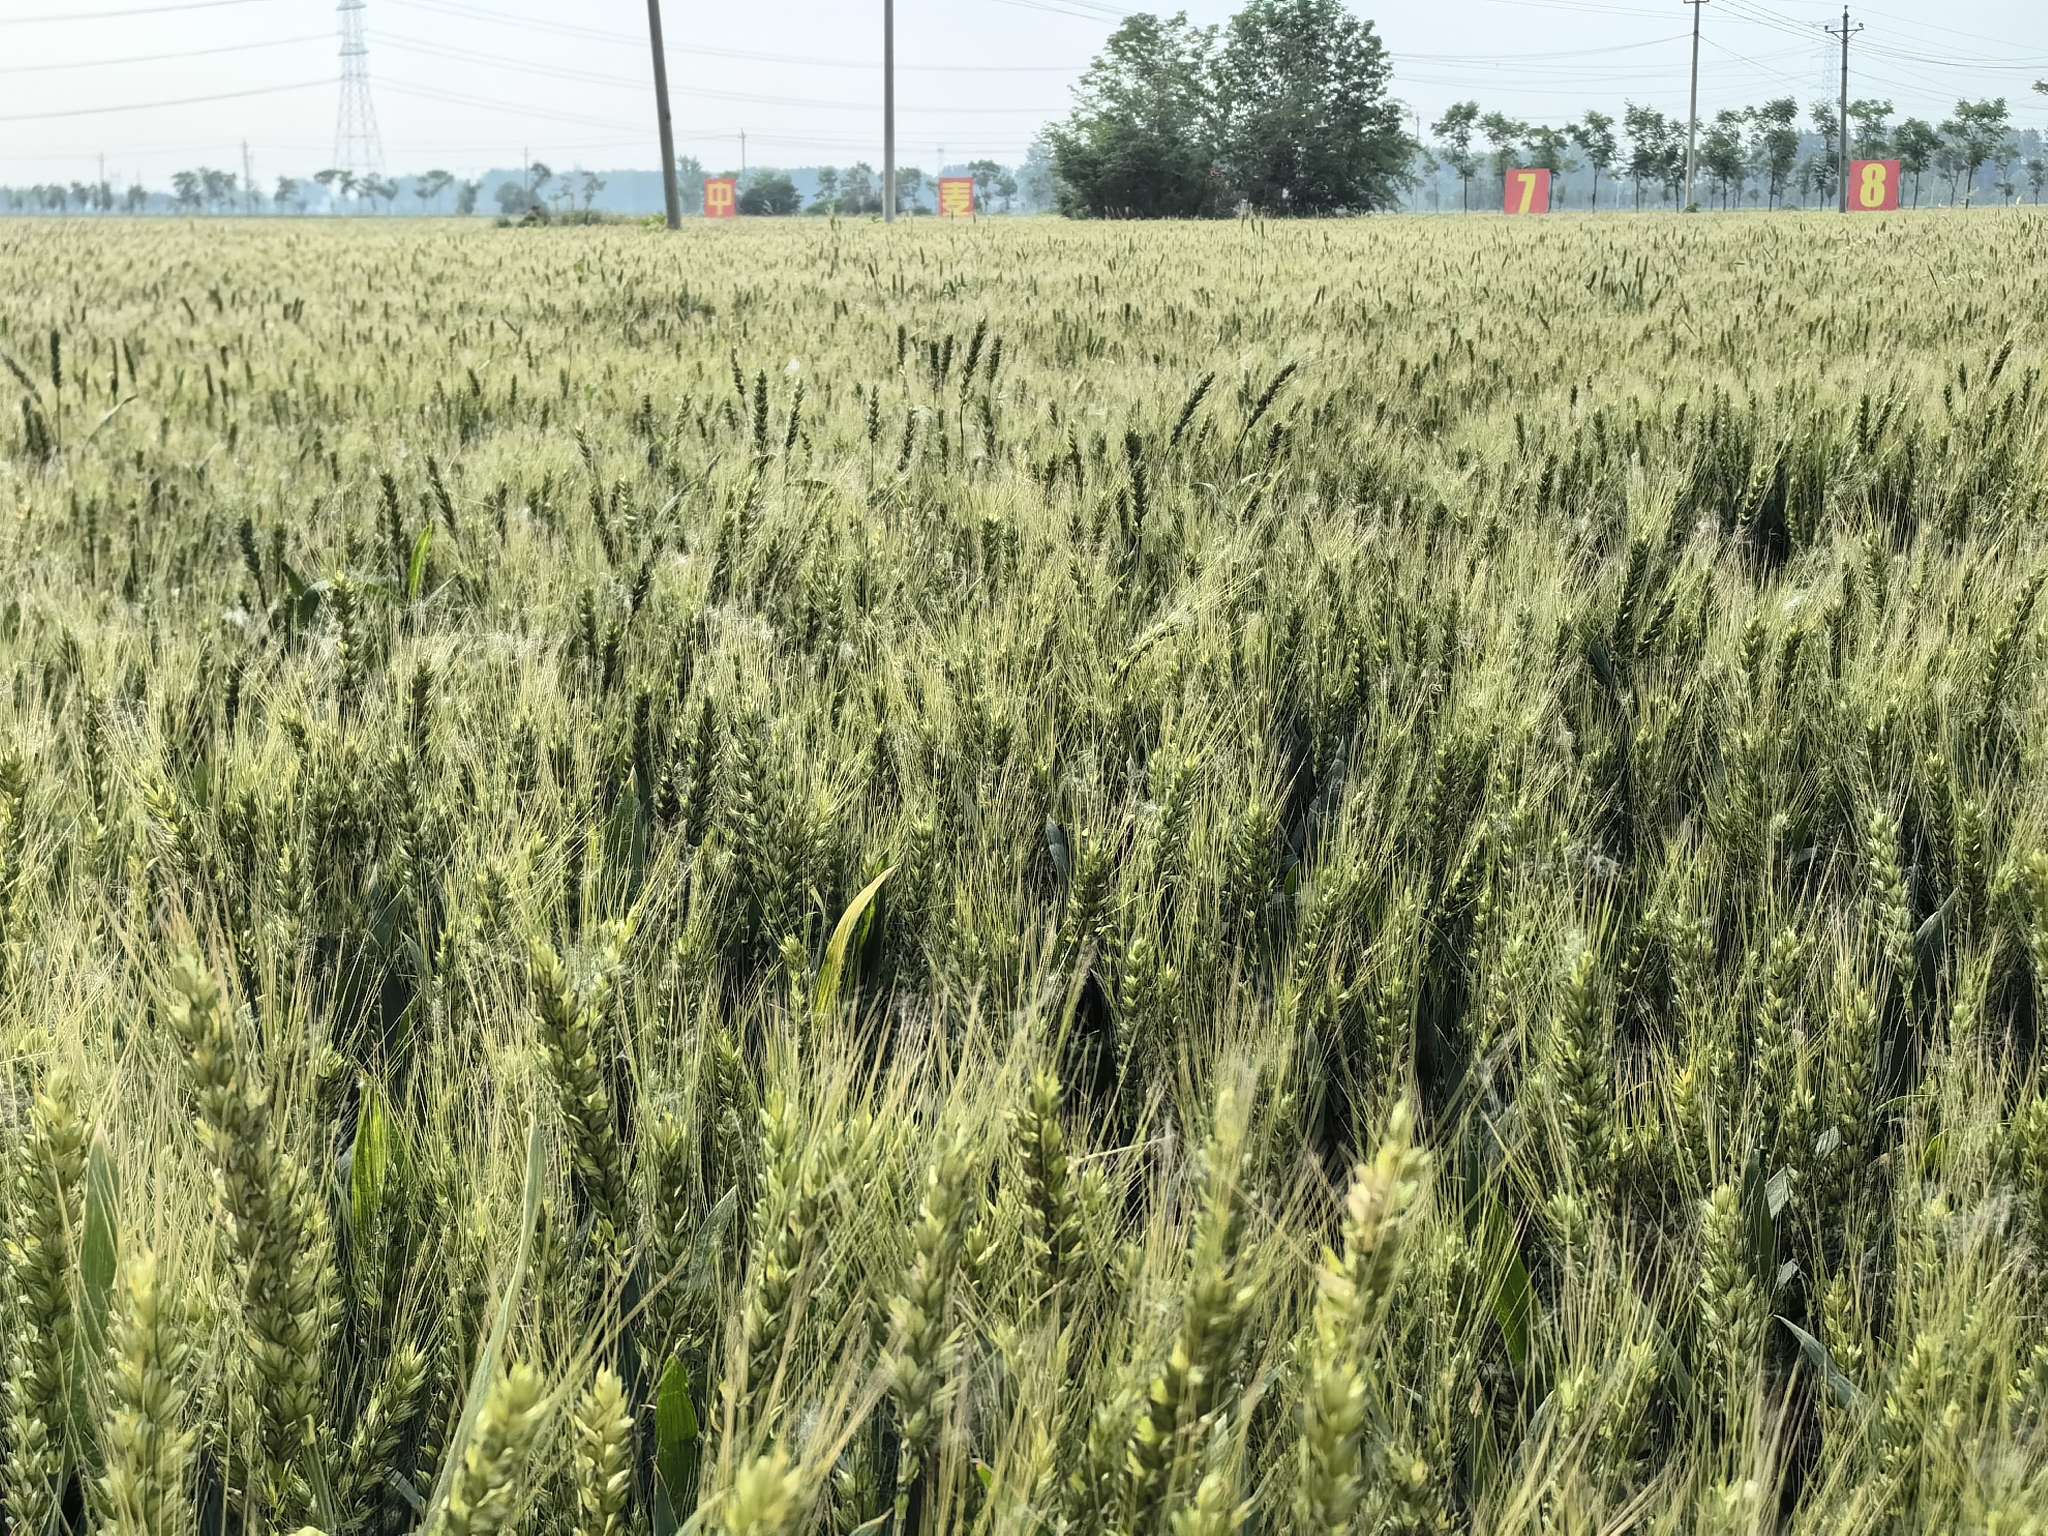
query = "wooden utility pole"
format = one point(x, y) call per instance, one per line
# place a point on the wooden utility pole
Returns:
point(1692, 125)
point(671, 195)
point(888, 111)
point(1842, 136)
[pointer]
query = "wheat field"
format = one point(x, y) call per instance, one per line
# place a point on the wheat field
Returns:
point(1384, 876)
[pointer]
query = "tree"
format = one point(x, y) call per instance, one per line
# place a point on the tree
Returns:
point(1143, 137)
point(690, 183)
point(327, 179)
point(1948, 160)
point(379, 189)
point(1548, 152)
point(428, 188)
point(591, 185)
point(1594, 135)
point(857, 190)
point(218, 186)
point(186, 189)
point(1723, 155)
point(2037, 175)
point(1038, 181)
point(512, 198)
point(136, 198)
point(1871, 140)
point(1775, 148)
point(770, 193)
point(1978, 132)
point(1916, 143)
point(1824, 164)
point(465, 197)
point(826, 198)
point(1006, 189)
point(909, 187)
point(1453, 133)
point(538, 175)
point(987, 174)
point(1653, 146)
point(2002, 177)
point(1505, 134)
point(1308, 125)
point(289, 194)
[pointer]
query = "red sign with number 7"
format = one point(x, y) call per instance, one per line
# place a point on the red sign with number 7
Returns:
point(1528, 191)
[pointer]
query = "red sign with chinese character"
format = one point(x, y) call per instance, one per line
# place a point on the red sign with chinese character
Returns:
point(956, 197)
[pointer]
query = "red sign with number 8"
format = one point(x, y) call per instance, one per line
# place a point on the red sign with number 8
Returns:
point(1528, 191)
point(1874, 186)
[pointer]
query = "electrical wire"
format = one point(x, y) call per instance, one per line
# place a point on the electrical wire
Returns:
point(147, 106)
point(158, 58)
point(457, 8)
point(464, 55)
point(140, 10)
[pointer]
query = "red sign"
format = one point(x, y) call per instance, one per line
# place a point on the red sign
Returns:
point(722, 198)
point(956, 197)
point(1528, 191)
point(1874, 186)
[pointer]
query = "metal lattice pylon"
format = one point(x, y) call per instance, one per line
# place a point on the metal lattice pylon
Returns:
point(358, 148)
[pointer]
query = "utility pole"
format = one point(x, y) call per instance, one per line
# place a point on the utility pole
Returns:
point(743, 154)
point(248, 180)
point(1692, 127)
point(1842, 156)
point(888, 111)
point(671, 197)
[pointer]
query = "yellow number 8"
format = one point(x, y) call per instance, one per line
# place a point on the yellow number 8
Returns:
point(1873, 188)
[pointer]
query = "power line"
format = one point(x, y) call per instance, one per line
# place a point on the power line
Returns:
point(752, 98)
point(140, 10)
point(158, 58)
point(456, 8)
point(147, 106)
point(1068, 8)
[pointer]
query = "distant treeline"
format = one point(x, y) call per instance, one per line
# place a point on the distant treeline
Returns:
point(540, 191)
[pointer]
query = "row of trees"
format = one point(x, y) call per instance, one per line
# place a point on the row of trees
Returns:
point(1285, 108)
point(1756, 153)
point(65, 196)
point(857, 189)
point(537, 192)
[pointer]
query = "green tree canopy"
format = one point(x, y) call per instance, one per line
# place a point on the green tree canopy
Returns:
point(1453, 133)
point(1307, 119)
point(1143, 138)
point(1594, 135)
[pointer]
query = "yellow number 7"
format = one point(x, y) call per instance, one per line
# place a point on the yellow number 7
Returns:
point(1528, 181)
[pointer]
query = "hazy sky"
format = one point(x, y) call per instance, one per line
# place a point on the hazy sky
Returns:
point(469, 84)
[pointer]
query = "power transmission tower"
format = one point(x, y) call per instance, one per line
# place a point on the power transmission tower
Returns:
point(1692, 127)
point(672, 201)
point(248, 180)
point(888, 111)
point(358, 148)
point(1842, 158)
